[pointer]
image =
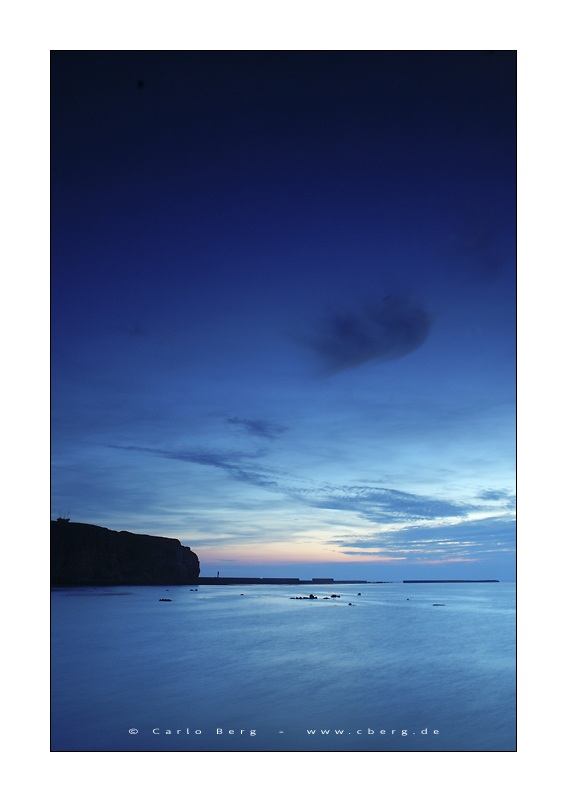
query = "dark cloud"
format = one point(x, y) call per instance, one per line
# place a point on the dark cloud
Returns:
point(390, 330)
point(233, 462)
point(493, 494)
point(478, 250)
point(259, 427)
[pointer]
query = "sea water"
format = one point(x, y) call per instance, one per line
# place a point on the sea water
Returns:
point(383, 667)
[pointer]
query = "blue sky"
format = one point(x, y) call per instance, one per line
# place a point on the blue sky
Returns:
point(283, 306)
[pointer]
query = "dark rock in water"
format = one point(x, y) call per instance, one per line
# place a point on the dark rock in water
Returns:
point(359, 594)
point(438, 605)
point(83, 554)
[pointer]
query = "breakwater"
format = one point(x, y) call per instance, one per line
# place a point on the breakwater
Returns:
point(254, 580)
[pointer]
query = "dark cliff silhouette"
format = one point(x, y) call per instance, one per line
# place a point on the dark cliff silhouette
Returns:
point(84, 554)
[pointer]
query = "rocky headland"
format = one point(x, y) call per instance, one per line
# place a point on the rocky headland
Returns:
point(84, 554)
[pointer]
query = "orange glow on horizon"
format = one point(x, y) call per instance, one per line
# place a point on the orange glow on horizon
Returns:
point(448, 560)
point(294, 554)
point(286, 554)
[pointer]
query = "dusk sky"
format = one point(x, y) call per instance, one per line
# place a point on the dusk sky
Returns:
point(284, 307)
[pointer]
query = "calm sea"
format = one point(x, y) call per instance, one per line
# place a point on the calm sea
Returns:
point(247, 668)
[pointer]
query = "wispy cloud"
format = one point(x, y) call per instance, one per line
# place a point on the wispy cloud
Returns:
point(235, 463)
point(502, 495)
point(462, 540)
point(382, 504)
point(389, 330)
point(261, 428)
point(410, 523)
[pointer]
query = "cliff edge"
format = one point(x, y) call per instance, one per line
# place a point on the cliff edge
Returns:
point(84, 554)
